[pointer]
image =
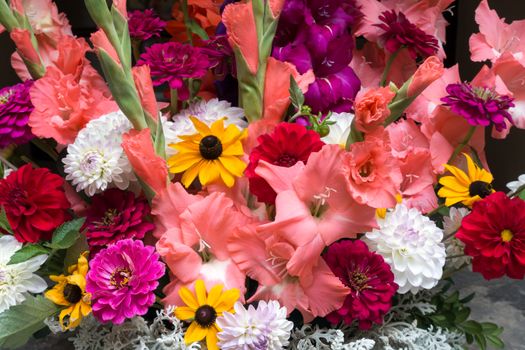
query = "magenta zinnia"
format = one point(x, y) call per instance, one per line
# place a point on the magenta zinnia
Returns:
point(479, 105)
point(145, 24)
point(399, 33)
point(122, 279)
point(15, 108)
point(172, 62)
point(369, 278)
point(115, 215)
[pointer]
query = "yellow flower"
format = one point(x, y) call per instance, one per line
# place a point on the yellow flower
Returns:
point(213, 154)
point(202, 310)
point(70, 291)
point(466, 188)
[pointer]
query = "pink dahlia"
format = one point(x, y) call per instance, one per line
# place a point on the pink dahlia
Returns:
point(116, 215)
point(145, 24)
point(15, 108)
point(122, 279)
point(369, 278)
point(172, 62)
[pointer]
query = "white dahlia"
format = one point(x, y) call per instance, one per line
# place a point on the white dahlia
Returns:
point(16, 280)
point(454, 247)
point(252, 329)
point(96, 160)
point(340, 130)
point(411, 244)
point(515, 185)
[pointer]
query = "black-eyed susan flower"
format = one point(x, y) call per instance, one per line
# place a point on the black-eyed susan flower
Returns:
point(213, 154)
point(70, 291)
point(202, 310)
point(465, 188)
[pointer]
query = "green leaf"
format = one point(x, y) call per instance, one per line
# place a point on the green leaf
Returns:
point(4, 222)
point(296, 94)
point(495, 341)
point(491, 328)
point(481, 341)
point(471, 327)
point(27, 252)
point(19, 322)
point(67, 234)
point(197, 29)
point(462, 315)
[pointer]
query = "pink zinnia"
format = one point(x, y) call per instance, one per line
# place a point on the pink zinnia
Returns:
point(122, 279)
point(369, 278)
point(172, 62)
point(115, 215)
point(15, 108)
point(144, 25)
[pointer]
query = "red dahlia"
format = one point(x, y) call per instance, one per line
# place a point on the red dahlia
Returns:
point(369, 278)
point(116, 215)
point(34, 202)
point(285, 146)
point(494, 235)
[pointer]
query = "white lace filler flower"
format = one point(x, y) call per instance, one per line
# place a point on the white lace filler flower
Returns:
point(514, 185)
point(16, 280)
point(252, 329)
point(339, 131)
point(454, 247)
point(411, 244)
point(96, 160)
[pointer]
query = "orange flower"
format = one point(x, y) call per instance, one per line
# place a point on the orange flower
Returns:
point(371, 108)
point(205, 12)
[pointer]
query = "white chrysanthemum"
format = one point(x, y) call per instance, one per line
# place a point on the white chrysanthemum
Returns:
point(515, 185)
point(340, 130)
point(411, 244)
point(454, 247)
point(96, 160)
point(16, 280)
point(251, 329)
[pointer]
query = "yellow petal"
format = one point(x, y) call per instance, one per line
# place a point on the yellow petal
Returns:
point(234, 165)
point(195, 333)
point(189, 175)
point(85, 309)
point(234, 149)
point(56, 295)
point(452, 183)
point(200, 290)
point(182, 162)
point(209, 173)
point(485, 176)
point(214, 295)
point(63, 314)
point(202, 128)
point(185, 313)
point(459, 174)
point(82, 265)
point(217, 128)
point(232, 134)
point(188, 298)
point(211, 339)
point(78, 280)
point(227, 300)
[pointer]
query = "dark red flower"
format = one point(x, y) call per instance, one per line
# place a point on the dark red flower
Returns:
point(399, 32)
point(494, 235)
point(115, 215)
point(34, 202)
point(285, 146)
point(369, 278)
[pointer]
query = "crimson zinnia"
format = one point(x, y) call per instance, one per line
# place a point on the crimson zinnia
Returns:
point(494, 235)
point(286, 145)
point(369, 278)
point(34, 202)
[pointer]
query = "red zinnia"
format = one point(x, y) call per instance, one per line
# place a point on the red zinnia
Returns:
point(494, 235)
point(369, 278)
point(116, 215)
point(34, 202)
point(285, 146)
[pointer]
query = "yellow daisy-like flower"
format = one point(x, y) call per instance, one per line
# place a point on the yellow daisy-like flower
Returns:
point(70, 291)
point(466, 188)
point(202, 310)
point(213, 154)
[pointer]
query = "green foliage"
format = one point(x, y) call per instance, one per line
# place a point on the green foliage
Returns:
point(4, 222)
point(296, 94)
point(27, 252)
point(66, 235)
point(19, 323)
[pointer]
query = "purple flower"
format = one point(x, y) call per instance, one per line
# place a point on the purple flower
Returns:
point(144, 25)
point(121, 280)
point(479, 105)
point(15, 108)
point(220, 54)
point(172, 62)
point(399, 32)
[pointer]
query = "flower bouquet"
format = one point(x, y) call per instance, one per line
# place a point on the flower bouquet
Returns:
point(280, 174)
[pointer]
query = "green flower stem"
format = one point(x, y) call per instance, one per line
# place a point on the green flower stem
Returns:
point(135, 46)
point(462, 145)
point(391, 60)
point(184, 5)
point(174, 101)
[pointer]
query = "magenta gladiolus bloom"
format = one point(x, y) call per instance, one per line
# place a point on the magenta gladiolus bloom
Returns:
point(145, 24)
point(369, 278)
point(479, 105)
point(121, 280)
point(172, 62)
point(15, 108)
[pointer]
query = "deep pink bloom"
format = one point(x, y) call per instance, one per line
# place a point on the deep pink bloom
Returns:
point(144, 24)
point(15, 108)
point(399, 32)
point(369, 278)
point(172, 62)
point(115, 215)
point(286, 145)
point(122, 279)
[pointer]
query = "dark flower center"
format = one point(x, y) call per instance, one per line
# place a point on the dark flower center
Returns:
point(205, 316)
point(4, 98)
point(17, 198)
point(365, 170)
point(285, 160)
point(210, 147)
point(72, 293)
point(357, 281)
point(480, 188)
point(120, 278)
point(109, 217)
